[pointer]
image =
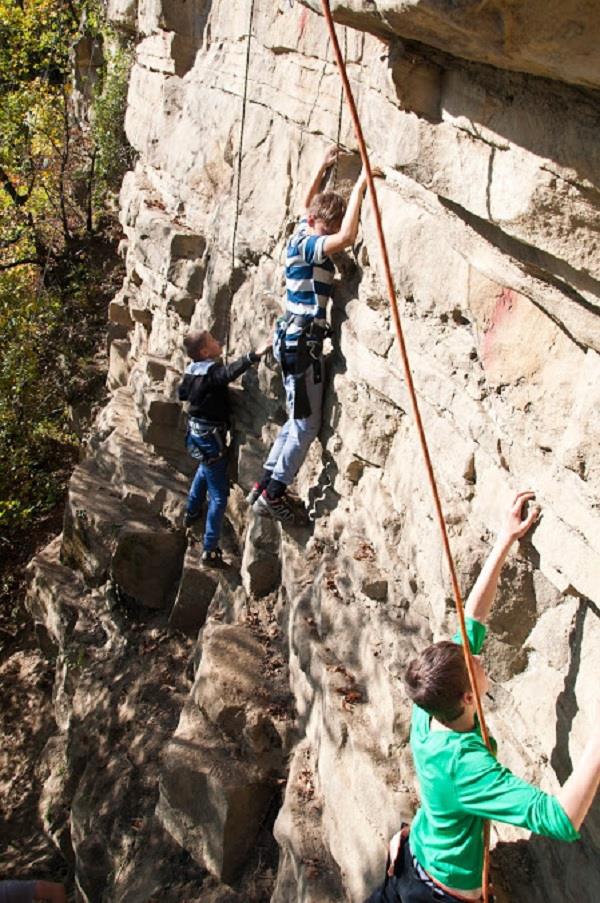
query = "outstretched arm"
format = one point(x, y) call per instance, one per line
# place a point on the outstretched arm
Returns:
point(482, 595)
point(220, 374)
point(486, 788)
point(346, 237)
point(578, 792)
point(223, 374)
point(315, 185)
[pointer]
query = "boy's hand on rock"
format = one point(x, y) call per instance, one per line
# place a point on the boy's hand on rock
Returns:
point(394, 848)
point(517, 525)
point(376, 172)
point(331, 156)
point(262, 349)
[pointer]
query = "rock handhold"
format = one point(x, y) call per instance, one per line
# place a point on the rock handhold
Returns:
point(261, 565)
point(210, 801)
point(147, 564)
point(196, 590)
point(304, 860)
point(221, 770)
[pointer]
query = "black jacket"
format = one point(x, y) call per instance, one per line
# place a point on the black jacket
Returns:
point(205, 386)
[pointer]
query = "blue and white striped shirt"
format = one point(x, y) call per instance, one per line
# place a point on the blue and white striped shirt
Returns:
point(309, 280)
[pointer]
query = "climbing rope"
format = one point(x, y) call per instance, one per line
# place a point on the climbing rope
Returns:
point(236, 215)
point(340, 114)
point(414, 405)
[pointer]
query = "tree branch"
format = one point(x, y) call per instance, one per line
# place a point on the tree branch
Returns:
point(5, 242)
point(20, 263)
point(73, 11)
point(18, 199)
point(64, 159)
point(90, 193)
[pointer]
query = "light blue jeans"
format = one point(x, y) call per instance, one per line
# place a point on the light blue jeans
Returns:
point(296, 435)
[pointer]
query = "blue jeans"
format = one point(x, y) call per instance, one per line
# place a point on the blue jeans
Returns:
point(296, 435)
point(406, 885)
point(211, 478)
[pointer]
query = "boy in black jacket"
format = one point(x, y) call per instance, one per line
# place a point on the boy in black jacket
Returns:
point(205, 387)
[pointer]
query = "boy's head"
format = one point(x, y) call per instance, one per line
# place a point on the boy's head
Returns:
point(326, 212)
point(438, 681)
point(201, 346)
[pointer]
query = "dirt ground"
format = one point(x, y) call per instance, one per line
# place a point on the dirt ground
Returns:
point(26, 722)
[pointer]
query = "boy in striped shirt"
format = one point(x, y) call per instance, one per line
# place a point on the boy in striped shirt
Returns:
point(327, 227)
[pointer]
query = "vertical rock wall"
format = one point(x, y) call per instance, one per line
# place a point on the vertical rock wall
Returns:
point(490, 206)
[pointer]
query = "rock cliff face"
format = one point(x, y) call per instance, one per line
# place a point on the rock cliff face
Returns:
point(484, 118)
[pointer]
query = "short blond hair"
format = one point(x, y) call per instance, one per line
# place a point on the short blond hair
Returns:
point(329, 207)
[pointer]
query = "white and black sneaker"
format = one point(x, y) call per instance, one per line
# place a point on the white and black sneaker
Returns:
point(278, 508)
point(212, 558)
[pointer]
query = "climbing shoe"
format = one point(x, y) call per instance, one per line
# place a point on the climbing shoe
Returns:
point(279, 508)
point(212, 558)
point(254, 493)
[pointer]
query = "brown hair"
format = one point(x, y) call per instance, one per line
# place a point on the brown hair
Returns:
point(328, 206)
point(437, 680)
point(195, 343)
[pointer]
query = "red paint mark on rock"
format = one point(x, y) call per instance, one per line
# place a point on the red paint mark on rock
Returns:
point(302, 22)
point(505, 303)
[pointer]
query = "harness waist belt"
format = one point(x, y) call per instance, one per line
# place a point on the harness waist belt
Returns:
point(197, 425)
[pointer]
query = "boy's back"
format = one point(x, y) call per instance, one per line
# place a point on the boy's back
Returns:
point(309, 275)
point(462, 784)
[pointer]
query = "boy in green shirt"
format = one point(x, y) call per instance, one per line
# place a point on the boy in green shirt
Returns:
point(461, 783)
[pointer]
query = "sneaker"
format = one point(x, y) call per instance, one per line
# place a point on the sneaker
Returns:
point(279, 508)
point(212, 558)
point(191, 519)
point(254, 493)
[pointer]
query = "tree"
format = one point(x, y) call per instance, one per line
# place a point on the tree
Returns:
point(57, 170)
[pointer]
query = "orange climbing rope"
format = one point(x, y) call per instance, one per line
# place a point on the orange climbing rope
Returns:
point(414, 405)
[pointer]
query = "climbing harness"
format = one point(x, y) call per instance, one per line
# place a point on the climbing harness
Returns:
point(201, 429)
point(305, 355)
point(236, 216)
point(310, 339)
point(415, 407)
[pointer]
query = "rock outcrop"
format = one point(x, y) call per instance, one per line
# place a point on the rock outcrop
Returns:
point(483, 117)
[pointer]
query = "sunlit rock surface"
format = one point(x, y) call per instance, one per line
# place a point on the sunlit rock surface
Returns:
point(484, 119)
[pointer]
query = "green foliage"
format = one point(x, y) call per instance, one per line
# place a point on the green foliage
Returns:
point(33, 437)
point(35, 37)
point(58, 169)
point(49, 338)
point(113, 153)
point(58, 172)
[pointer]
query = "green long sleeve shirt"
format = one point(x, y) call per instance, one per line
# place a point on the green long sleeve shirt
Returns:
point(462, 784)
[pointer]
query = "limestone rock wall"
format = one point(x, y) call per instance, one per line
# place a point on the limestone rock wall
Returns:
point(484, 120)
